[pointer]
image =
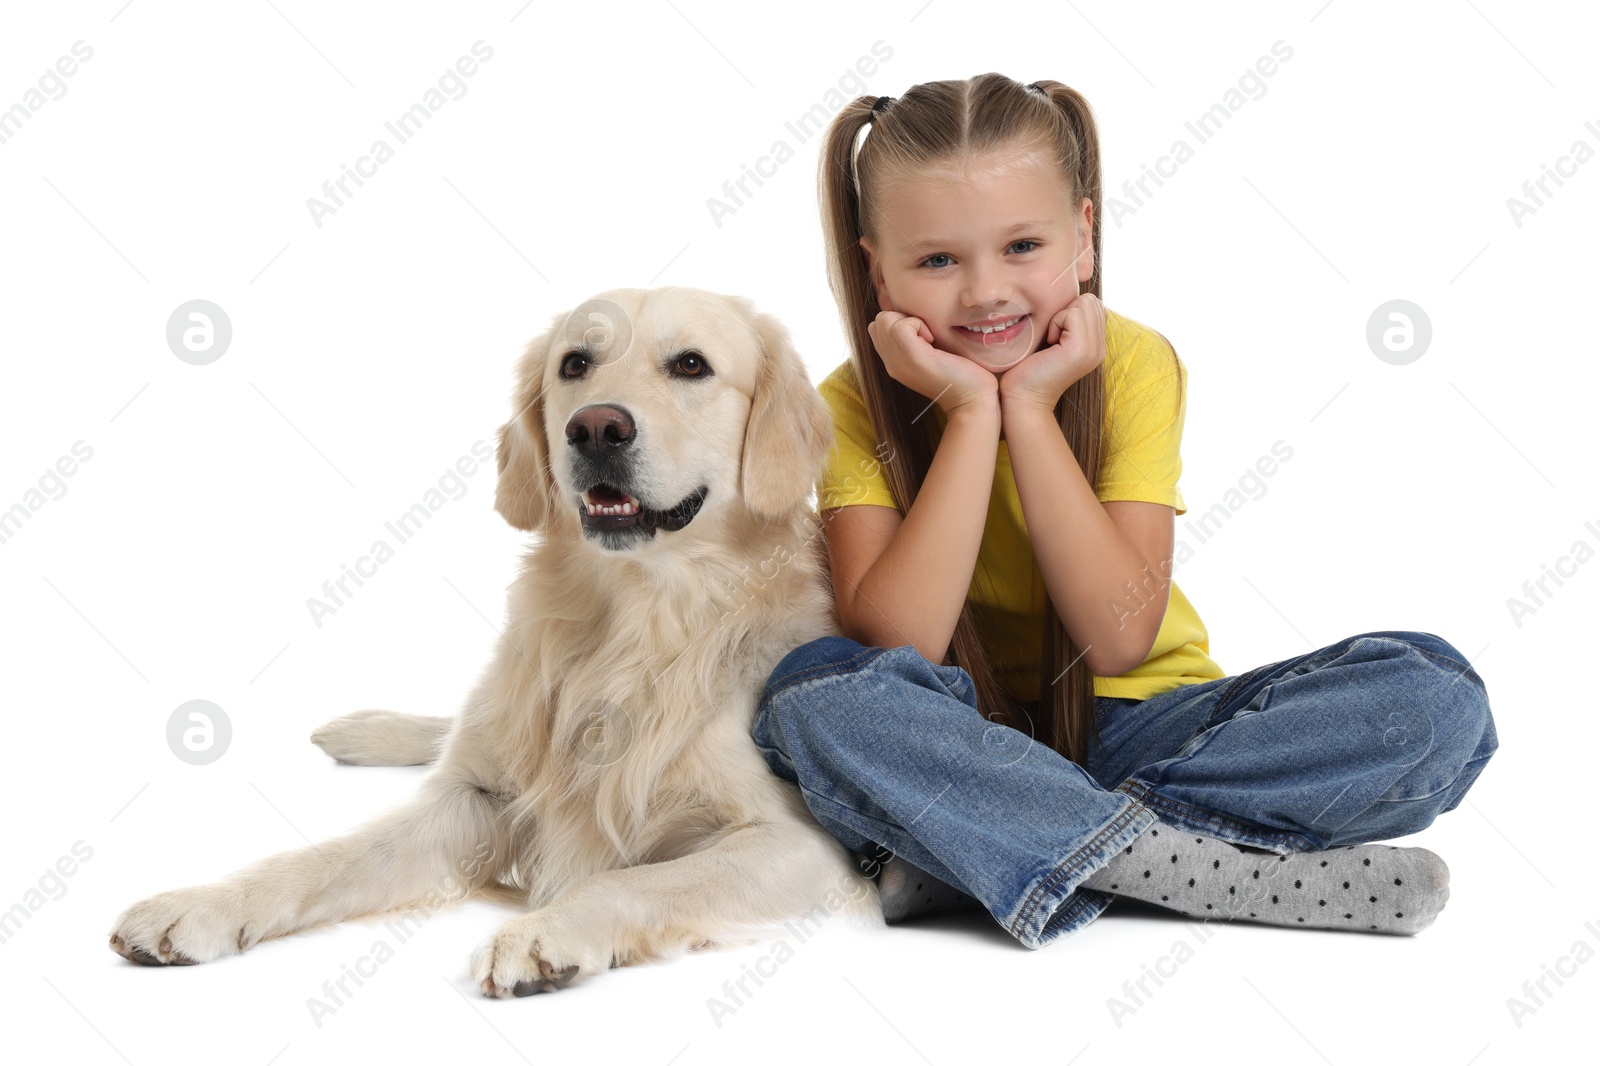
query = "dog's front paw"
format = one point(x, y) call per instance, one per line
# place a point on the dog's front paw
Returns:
point(537, 953)
point(183, 927)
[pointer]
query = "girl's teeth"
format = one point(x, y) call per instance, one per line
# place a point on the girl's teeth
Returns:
point(993, 329)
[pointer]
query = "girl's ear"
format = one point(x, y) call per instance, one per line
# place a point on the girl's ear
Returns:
point(1085, 223)
point(875, 270)
point(790, 430)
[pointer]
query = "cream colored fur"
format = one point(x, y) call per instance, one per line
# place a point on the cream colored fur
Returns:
point(603, 764)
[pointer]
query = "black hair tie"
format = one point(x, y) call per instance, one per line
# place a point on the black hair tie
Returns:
point(880, 103)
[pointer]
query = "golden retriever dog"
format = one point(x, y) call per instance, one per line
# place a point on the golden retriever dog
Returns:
point(663, 448)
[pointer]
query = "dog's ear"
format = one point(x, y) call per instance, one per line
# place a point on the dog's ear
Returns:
point(790, 430)
point(526, 487)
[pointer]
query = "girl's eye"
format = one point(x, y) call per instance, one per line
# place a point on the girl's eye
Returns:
point(929, 262)
point(1029, 243)
point(567, 364)
point(693, 365)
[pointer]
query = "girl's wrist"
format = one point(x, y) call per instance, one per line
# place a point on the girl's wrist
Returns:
point(1020, 403)
point(983, 406)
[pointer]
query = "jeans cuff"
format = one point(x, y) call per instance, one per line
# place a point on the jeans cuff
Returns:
point(1054, 906)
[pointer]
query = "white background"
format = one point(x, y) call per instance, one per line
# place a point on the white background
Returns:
point(369, 354)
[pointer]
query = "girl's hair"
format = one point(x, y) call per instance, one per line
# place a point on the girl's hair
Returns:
point(938, 124)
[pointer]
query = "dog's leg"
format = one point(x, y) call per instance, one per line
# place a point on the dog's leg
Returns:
point(383, 738)
point(447, 841)
point(755, 874)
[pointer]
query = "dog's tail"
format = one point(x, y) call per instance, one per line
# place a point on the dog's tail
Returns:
point(383, 738)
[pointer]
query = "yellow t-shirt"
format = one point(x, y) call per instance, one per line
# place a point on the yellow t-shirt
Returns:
point(1145, 401)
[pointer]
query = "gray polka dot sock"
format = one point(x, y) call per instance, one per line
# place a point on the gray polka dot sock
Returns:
point(1369, 887)
point(908, 891)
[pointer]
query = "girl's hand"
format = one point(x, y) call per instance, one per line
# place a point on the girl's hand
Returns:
point(906, 347)
point(1077, 338)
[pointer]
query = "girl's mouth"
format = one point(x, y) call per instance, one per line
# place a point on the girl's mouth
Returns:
point(997, 332)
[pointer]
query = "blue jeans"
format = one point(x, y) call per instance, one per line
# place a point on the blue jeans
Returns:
point(1367, 739)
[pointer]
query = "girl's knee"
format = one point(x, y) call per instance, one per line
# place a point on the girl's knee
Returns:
point(1462, 739)
point(834, 684)
point(786, 695)
point(816, 658)
point(1444, 684)
point(1456, 696)
point(836, 656)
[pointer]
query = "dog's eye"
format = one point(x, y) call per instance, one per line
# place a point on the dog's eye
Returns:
point(568, 365)
point(692, 364)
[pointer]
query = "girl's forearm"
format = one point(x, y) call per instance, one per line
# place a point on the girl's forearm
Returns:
point(1086, 562)
point(914, 592)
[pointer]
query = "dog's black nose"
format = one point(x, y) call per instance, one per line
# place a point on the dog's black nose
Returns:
point(599, 429)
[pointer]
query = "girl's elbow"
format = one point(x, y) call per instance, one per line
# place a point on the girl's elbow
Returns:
point(887, 635)
point(855, 629)
point(1104, 660)
point(1106, 664)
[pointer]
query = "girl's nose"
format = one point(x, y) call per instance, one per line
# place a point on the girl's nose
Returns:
point(983, 285)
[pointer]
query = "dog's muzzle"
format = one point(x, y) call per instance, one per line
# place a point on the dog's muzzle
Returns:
point(600, 438)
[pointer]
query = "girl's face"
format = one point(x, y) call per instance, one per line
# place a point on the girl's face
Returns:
point(994, 242)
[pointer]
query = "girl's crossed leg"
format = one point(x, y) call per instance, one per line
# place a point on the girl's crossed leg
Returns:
point(1363, 740)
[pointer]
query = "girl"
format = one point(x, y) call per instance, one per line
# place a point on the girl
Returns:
point(1023, 710)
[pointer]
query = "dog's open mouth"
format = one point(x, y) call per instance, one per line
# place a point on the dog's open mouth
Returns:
point(606, 507)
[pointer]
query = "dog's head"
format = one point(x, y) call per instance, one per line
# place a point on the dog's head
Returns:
point(642, 410)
